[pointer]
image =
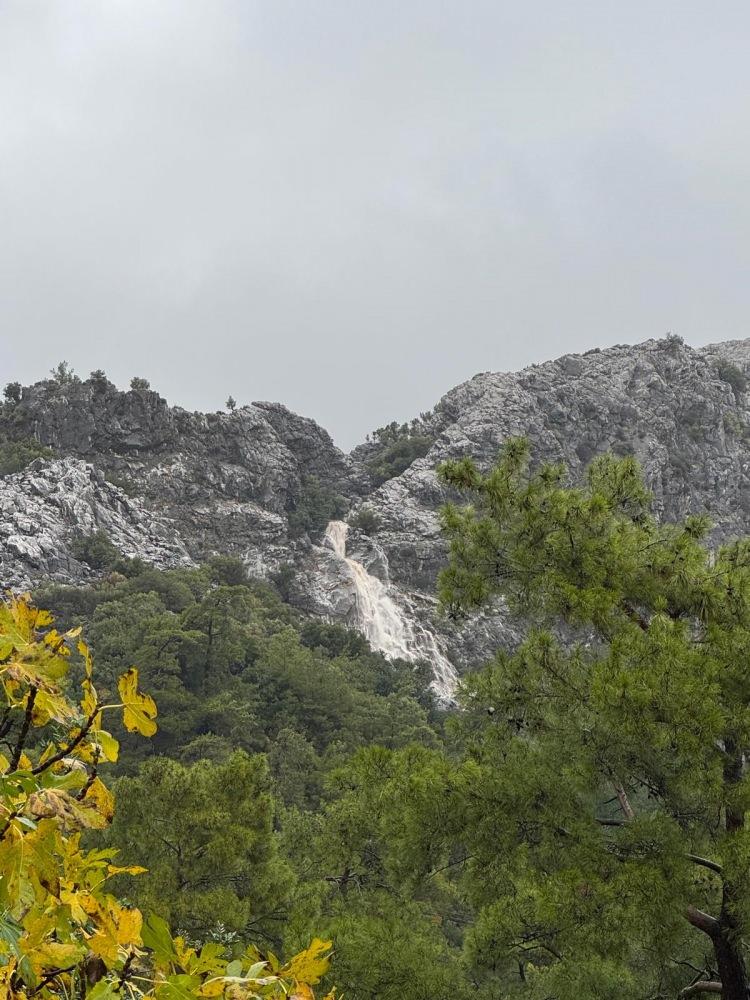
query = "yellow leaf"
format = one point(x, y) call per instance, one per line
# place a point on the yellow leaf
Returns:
point(116, 927)
point(302, 992)
point(51, 705)
point(100, 798)
point(125, 870)
point(139, 709)
point(90, 699)
point(311, 964)
point(108, 745)
point(212, 988)
point(53, 953)
point(6, 974)
point(85, 652)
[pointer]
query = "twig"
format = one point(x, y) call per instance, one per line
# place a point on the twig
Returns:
point(15, 760)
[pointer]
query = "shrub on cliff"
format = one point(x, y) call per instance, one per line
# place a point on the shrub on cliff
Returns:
point(315, 505)
point(16, 455)
point(729, 372)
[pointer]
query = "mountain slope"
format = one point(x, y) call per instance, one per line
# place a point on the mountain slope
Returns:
point(173, 487)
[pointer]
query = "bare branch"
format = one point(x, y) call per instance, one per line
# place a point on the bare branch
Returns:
point(704, 986)
point(713, 866)
point(622, 798)
point(23, 735)
point(67, 750)
point(703, 921)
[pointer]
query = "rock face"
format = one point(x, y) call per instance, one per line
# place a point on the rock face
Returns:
point(683, 412)
point(181, 485)
point(227, 482)
point(43, 508)
point(662, 401)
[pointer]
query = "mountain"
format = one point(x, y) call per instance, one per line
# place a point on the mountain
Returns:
point(173, 487)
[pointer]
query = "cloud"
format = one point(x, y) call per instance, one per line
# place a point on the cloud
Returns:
point(350, 207)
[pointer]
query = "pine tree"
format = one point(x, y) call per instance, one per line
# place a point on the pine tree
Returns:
point(63, 933)
point(602, 793)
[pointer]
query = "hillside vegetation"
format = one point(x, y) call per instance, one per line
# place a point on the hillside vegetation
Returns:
point(579, 829)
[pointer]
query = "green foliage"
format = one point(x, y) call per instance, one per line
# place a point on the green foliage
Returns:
point(729, 372)
point(297, 768)
point(316, 504)
point(599, 789)
point(238, 673)
point(12, 392)
point(228, 570)
point(390, 948)
point(96, 550)
point(231, 404)
point(735, 427)
point(16, 455)
point(365, 520)
point(124, 483)
point(397, 931)
point(232, 662)
point(672, 343)
point(207, 832)
point(400, 445)
point(63, 374)
point(99, 380)
point(99, 553)
point(139, 384)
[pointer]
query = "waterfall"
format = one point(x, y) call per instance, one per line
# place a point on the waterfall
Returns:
point(384, 623)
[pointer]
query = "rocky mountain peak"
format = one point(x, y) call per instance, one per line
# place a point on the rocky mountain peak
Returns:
point(262, 482)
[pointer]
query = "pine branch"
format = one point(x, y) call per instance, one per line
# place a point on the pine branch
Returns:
point(703, 921)
point(704, 986)
point(713, 866)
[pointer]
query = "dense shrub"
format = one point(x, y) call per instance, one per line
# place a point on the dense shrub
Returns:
point(124, 483)
point(366, 520)
point(12, 392)
point(63, 374)
point(16, 455)
point(396, 457)
point(96, 550)
point(316, 504)
point(732, 375)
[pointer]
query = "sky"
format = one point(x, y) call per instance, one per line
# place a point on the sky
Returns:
point(350, 206)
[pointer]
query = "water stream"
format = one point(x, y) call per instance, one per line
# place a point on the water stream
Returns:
point(385, 624)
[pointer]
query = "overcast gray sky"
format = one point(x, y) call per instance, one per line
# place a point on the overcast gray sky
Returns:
point(352, 206)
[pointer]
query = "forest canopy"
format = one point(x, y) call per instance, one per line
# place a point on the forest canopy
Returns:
point(577, 829)
point(63, 933)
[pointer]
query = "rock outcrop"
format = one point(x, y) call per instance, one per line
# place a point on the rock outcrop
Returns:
point(227, 482)
point(44, 508)
point(677, 409)
point(173, 487)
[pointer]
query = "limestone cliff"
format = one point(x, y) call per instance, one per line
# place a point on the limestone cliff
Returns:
point(172, 487)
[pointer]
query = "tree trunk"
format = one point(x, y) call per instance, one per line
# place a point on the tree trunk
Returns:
point(731, 965)
point(726, 935)
point(727, 944)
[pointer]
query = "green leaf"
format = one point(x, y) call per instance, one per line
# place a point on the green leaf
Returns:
point(156, 935)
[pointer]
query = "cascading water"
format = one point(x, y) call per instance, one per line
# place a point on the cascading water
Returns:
point(384, 623)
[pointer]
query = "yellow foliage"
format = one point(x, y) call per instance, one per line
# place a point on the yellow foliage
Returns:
point(310, 965)
point(139, 709)
point(63, 936)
